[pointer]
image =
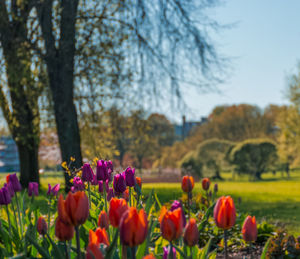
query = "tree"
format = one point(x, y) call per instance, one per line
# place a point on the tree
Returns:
point(254, 157)
point(22, 85)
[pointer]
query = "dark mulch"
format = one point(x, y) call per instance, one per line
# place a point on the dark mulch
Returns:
point(244, 253)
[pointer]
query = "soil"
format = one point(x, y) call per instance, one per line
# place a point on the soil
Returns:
point(244, 253)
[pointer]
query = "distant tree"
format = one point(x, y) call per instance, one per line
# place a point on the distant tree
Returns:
point(254, 157)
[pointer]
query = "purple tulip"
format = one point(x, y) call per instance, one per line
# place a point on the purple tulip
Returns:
point(13, 179)
point(107, 185)
point(100, 186)
point(216, 188)
point(110, 194)
point(5, 198)
point(119, 183)
point(78, 185)
point(109, 166)
point(33, 189)
point(87, 173)
point(175, 205)
point(95, 181)
point(53, 191)
point(101, 170)
point(129, 176)
point(10, 189)
point(167, 251)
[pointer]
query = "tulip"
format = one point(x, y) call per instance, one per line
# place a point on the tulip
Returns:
point(41, 226)
point(107, 185)
point(167, 252)
point(33, 189)
point(133, 227)
point(13, 179)
point(187, 183)
point(191, 233)
point(93, 249)
point(109, 166)
point(119, 184)
point(87, 173)
point(175, 205)
point(78, 185)
point(224, 213)
point(171, 223)
point(64, 232)
point(53, 191)
point(125, 195)
point(117, 207)
point(5, 197)
point(151, 256)
point(205, 184)
point(129, 176)
point(100, 186)
point(138, 180)
point(110, 194)
point(99, 236)
point(75, 209)
point(216, 188)
point(103, 220)
point(249, 229)
point(10, 189)
point(95, 180)
point(101, 170)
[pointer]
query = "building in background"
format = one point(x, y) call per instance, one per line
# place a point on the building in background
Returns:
point(9, 158)
point(183, 130)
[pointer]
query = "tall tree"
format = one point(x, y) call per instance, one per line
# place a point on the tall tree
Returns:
point(21, 85)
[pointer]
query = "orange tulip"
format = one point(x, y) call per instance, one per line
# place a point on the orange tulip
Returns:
point(125, 195)
point(171, 224)
point(133, 227)
point(191, 233)
point(93, 249)
point(224, 213)
point(205, 184)
point(63, 231)
point(103, 221)
point(98, 237)
point(75, 209)
point(187, 183)
point(42, 226)
point(138, 180)
point(249, 229)
point(117, 207)
point(149, 257)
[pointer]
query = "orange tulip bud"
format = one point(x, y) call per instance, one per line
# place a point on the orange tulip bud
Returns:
point(117, 207)
point(41, 226)
point(249, 229)
point(187, 183)
point(205, 184)
point(171, 224)
point(133, 227)
point(149, 257)
point(63, 231)
point(191, 233)
point(75, 209)
point(99, 236)
point(224, 213)
point(138, 180)
point(103, 221)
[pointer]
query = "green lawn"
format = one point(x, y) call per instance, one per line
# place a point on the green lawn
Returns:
point(275, 199)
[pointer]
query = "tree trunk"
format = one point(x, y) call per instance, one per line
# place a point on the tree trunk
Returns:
point(28, 156)
point(258, 175)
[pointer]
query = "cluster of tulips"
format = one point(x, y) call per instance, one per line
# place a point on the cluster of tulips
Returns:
point(105, 215)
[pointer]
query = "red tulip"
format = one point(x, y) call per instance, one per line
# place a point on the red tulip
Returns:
point(75, 209)
point(133, 227)
point(41, 226)
point(191, 233)
point(93, 249)
point(63, 231)
point(224, 213)
point(171, 223)
point(249, 229)
point(99, 236)
point(205, 184)
point(103, 221)
point(187, 183)
point(117, 207)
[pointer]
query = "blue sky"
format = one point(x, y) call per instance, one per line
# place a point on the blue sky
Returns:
point(264, 47)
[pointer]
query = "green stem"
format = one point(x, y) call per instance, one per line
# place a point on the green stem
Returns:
point(189, 208)
point(225, 244)
point(171, 255)
point(19, 214)
point(89, 193)
point(129, 196)
point(133, 253)
point(14, 211)
point(105, 198)
point(78, 242)
point(66, 250)
point(49, 210)
point(8, 218)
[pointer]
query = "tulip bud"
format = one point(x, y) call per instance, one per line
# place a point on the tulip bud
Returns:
point(98, 237)
point(187, 183)
point(119, 184)
point(109, 166)
point(87, 173)
point(75, 209)
point(78, 185)
point(94, 181)
point(249, 229)
point(205, 184)
point(100, 186)
point(224, 213)
point(101, 170)
point(216, 188)
point(129, 176)
point(167, 252)
point(117, 207)
point(53, 191)
point(93, 252)
point(151, 256)
point(138, 180)
point(103, 221)
point(13, 179)
point(63, 232)
point(171, 223)
point(110, 194)
point(191, 233)
point(41, 226)
point(175, 205)
point(133, 227)
point(10, 189)
point(33, 189)
point(5, 197)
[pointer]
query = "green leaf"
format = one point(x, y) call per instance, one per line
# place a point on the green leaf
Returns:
point(180, 251)
point(149, 202)
point(44, 253)
point(143, 248)
point(206, 217)
point(111, 248)
point(204, 252)
point(265, 250)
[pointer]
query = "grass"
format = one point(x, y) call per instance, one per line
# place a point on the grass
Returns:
point(275, 198)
